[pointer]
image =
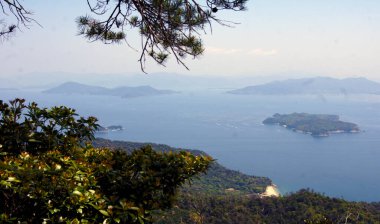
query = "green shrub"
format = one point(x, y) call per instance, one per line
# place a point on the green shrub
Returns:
point(48, 174)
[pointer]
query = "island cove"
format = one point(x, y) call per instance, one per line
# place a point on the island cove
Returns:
point(318, 125)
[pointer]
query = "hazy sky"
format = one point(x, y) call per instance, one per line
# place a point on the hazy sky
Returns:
point(337, 38)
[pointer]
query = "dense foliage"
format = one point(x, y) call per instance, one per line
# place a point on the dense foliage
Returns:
point(48, 174)
point(304, 206)
point(28, 128)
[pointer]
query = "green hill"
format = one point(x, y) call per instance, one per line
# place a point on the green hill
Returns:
point(216, 181)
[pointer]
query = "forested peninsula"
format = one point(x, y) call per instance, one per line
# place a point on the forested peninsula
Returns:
point(225, 196)
point(218, 179)
point(318, 125)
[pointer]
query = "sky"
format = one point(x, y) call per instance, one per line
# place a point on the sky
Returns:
point(295, 38)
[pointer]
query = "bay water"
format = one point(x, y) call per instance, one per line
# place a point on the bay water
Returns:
point(229, 128)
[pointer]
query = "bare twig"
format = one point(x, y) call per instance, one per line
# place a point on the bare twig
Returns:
point(15, 10)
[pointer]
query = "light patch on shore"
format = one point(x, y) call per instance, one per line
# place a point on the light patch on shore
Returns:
point(271, 191)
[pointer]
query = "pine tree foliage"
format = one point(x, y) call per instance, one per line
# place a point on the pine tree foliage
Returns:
point(167, 27)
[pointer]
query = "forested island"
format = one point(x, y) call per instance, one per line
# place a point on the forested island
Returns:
point(318, 125)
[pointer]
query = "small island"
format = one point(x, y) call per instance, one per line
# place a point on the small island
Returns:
point(110, 128)
point(318, 125)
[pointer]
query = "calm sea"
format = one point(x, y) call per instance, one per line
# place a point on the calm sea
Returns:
point(228, 127)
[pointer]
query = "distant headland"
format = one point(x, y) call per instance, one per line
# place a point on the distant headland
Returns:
point(317, 85)
point(123, 91)
point(318, 125)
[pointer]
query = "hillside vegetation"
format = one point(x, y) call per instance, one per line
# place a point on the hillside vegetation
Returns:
point(304, 206)
point(216, 180)
point(207, 201)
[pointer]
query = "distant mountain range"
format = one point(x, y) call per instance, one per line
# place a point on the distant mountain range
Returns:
point(123, 91)
point(318, 85)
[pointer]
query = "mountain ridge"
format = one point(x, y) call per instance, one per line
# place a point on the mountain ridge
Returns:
point(122, 91)
point(316, 85)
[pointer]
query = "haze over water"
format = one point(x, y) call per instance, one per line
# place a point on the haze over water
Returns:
point(229, 128)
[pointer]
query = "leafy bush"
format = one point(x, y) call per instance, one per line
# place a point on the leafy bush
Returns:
point(47, 175)
point(35, 130)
